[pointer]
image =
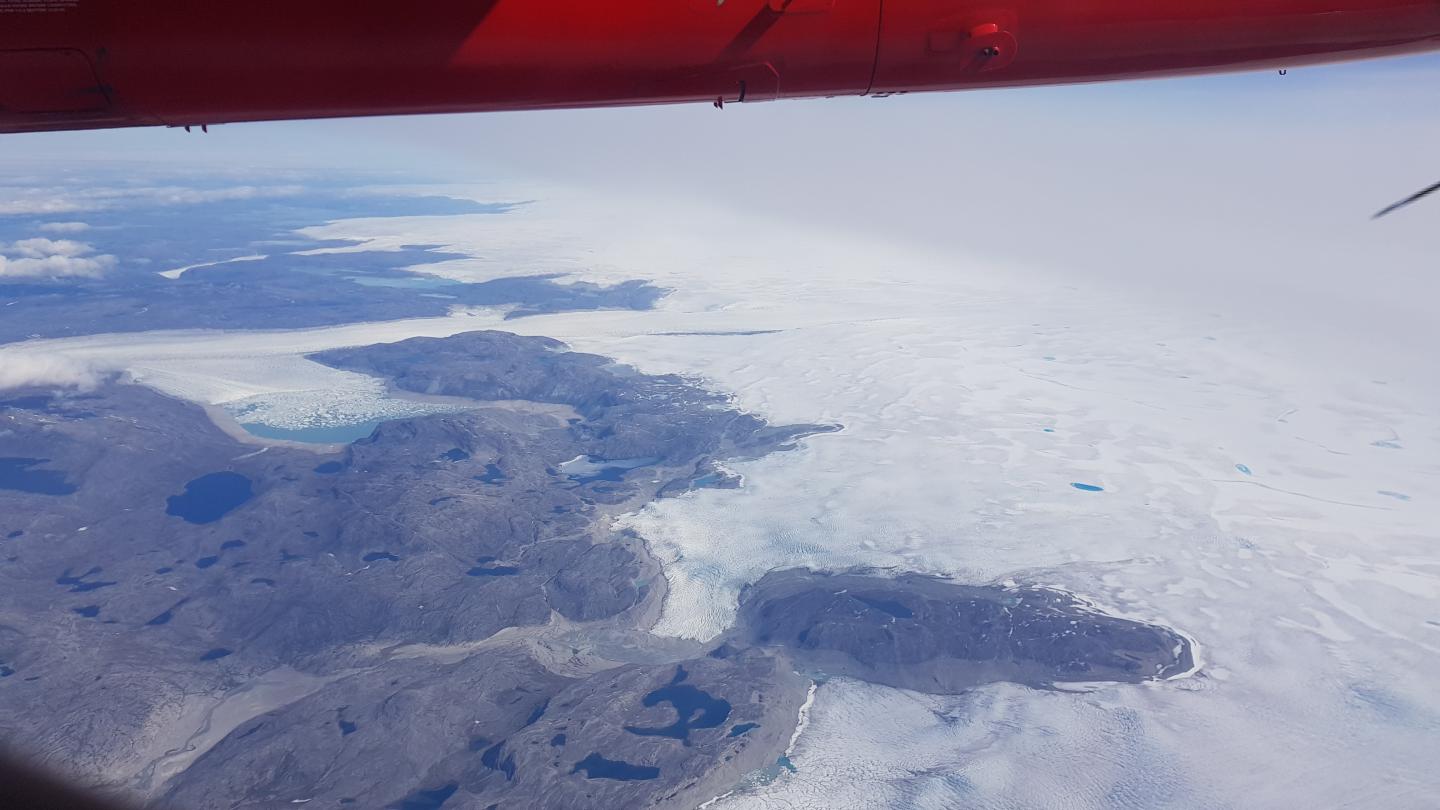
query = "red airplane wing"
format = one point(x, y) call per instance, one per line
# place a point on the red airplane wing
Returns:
point(90, 63)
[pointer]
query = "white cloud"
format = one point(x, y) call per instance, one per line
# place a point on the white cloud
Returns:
point(20, 370)
point(52, 258)
point(65, 227)
point(33, 200)
point(180, 195)
point(40, 248)
point(31, 204)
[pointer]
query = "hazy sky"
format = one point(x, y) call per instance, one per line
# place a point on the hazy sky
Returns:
point(1249, 192)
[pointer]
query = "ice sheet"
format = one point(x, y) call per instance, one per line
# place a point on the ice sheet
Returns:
point(1247, 496)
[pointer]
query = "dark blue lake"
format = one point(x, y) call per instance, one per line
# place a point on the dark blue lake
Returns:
point(598, 767)
point(889, 606)
point(166, 617)
point(493, 475)
point(210, 497)
point(1088, 487)
point(491, 759)
point(432, 799)
point(83, 583)
point(694, 709)
point(537, 713)
point(20, 474)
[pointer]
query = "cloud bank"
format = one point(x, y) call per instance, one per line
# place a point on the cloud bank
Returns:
point(65, 227)
point(27, 200)
point(24, 370)
point(52, 258)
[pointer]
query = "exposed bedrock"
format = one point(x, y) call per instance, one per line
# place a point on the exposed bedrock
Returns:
point(932, 635)
point(440, 614)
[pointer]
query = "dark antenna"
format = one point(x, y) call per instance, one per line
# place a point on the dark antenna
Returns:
point(1412, 198)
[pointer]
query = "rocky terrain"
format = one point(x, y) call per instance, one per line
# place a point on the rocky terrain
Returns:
point(439, 614)
point(931, 635)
